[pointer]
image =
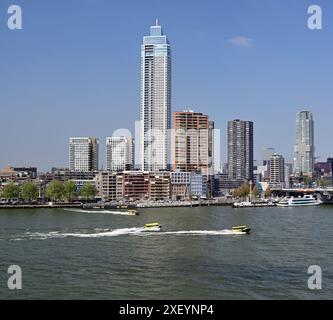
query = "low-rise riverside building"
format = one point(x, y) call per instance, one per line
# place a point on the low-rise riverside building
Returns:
point(187, 185)
point(18, 174)
point(109, 186)
point(135, 185)
point(159, 186)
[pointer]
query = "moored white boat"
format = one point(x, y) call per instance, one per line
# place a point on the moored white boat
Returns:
point(306, 200)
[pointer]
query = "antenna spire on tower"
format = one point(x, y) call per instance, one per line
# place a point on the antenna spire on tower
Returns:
point(156, 22)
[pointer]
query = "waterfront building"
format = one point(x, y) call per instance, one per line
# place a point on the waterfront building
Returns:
point(180, 185)
point(65, 175)
point(60, 174)
point(323, 172)
point(192, 142)
point(276, 170)
point(187, 185)
point(18, 173)
point(240, 150)
point(304, 148)
point(119, 153)
point(159, 186)
point(199, 185)
point(135, 185)
point(155, 100)
point(83, 154)
point(223, 185)
point(109, 185)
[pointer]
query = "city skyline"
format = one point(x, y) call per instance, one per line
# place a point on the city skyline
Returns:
point(213, 91)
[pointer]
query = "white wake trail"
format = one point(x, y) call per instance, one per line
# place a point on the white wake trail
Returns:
point(124, 231)
point(99, 211)
point(111, 233)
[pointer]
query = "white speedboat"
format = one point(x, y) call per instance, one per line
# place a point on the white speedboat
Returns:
point(306, 200)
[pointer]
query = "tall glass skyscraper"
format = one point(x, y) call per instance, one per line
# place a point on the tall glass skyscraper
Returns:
point(304, 148)
point(240, 150)
point(155, 100)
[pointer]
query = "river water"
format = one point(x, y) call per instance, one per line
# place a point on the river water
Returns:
point(75, 254)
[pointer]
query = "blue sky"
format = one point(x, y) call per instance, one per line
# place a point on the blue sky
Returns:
point(74, 70)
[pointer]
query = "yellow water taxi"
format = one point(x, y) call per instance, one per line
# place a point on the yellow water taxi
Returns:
point(133, 212)
point(153, 226)
point(243, 229)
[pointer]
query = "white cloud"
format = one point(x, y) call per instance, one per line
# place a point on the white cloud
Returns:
point(241, 41)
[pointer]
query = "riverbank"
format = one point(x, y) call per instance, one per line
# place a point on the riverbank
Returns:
point(39, 206)
point(139, 205)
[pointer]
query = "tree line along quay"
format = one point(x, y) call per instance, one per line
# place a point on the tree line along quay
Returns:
point(56, 191)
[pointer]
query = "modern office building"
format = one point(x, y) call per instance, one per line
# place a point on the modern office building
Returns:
point(240, 150)
point(304, 148)
point(192, 142)
point(119, 153)
point(83, 154)
point(276, 170)
point(155, 100)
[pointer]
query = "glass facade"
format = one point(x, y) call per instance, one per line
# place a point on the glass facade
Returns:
point(155, 100)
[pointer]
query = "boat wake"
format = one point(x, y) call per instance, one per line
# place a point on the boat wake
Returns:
point(124, 213)
point(141, 231)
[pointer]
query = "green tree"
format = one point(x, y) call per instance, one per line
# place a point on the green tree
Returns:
point(307, 181)
point(55, 191)
point(268, 192)
point(29, 191)
point(70, 190)
point(255, 192)
point(323, 183)
point(11, 191)
point(88, 191)
point(242, 191)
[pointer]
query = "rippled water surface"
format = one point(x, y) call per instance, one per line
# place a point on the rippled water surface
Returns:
point(77, 254)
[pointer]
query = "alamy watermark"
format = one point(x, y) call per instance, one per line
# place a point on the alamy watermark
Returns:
point(315, 18)
point(14, 18)
point(15, 279)
point(315, 279)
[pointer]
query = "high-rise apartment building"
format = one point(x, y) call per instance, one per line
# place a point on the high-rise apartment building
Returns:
point(155, 100)
point(193, 142)
point(304, 148)
point(119, 153)
point(240, 150)
point(83, 154)
point(276, 168)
